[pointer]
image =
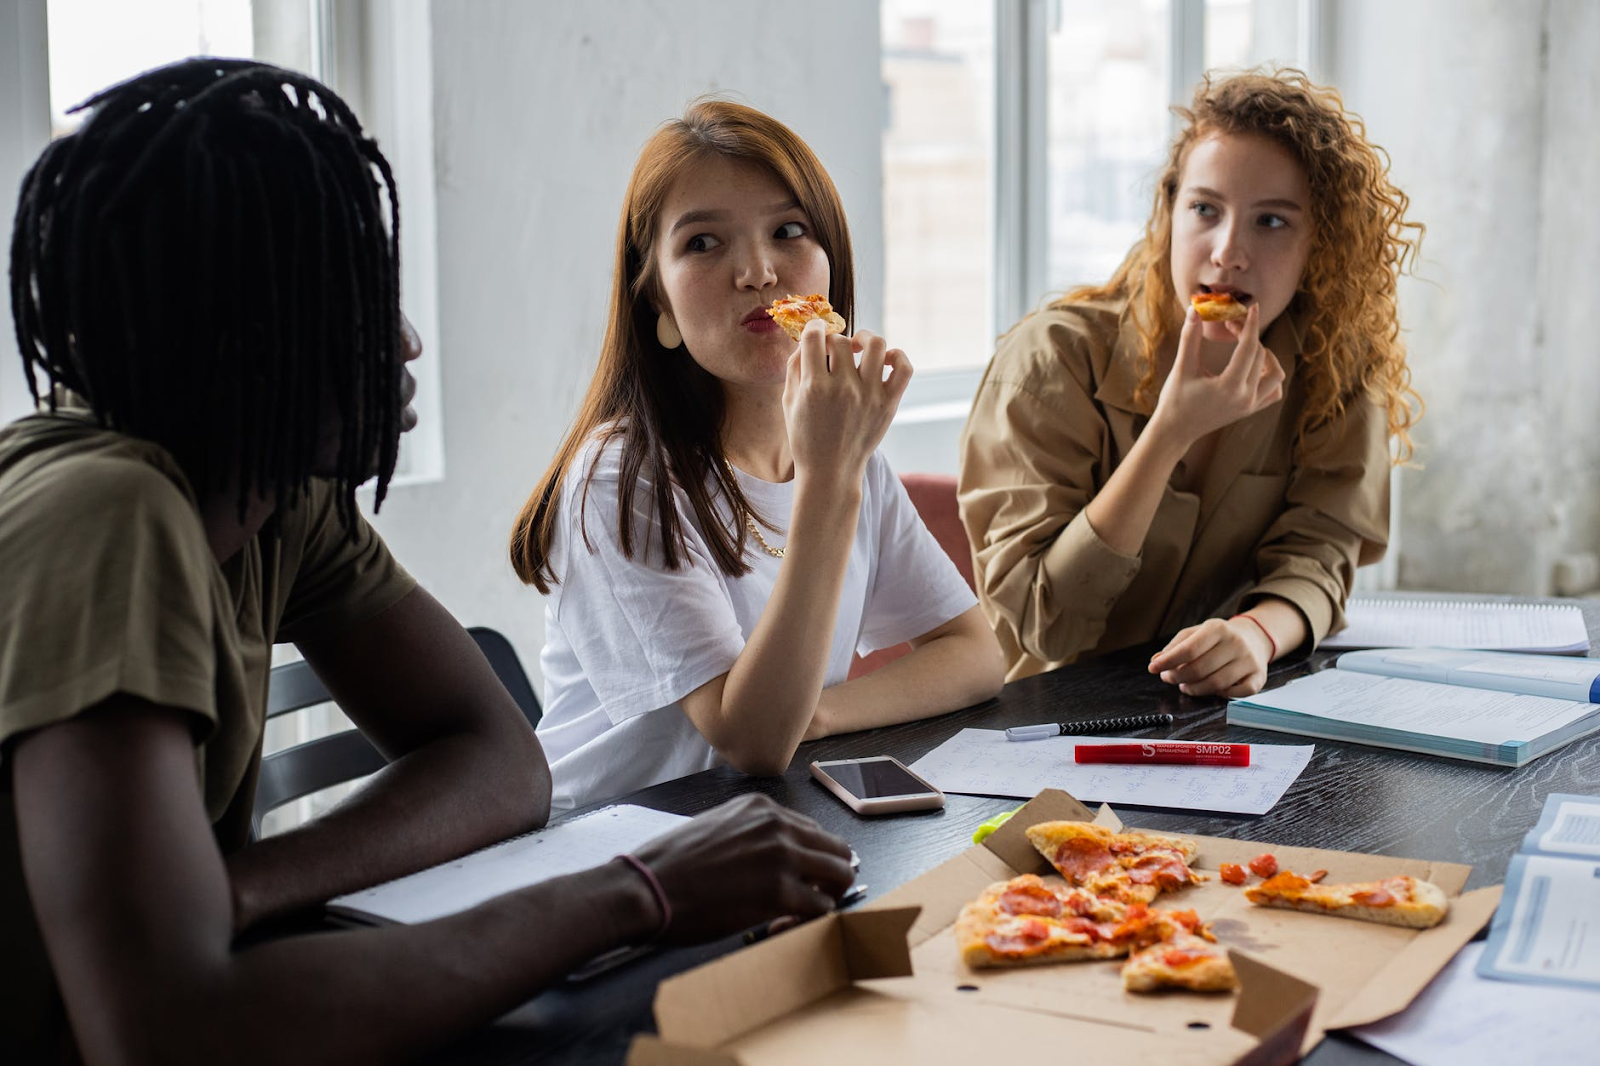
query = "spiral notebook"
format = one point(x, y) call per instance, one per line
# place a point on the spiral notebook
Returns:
point(1479, 625)
point(454, 886)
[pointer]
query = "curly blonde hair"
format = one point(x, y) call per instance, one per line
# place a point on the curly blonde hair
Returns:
point(1361, 242)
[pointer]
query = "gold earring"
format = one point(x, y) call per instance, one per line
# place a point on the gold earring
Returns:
point(667, 332)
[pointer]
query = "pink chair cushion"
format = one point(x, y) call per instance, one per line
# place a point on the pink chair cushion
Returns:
point(934, 496)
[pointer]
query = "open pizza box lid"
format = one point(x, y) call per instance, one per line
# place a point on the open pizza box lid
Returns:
point(885, 983)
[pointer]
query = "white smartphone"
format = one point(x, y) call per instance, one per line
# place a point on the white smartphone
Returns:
point(879, 785)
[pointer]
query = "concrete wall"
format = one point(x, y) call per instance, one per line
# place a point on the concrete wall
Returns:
point(540, 110)
point(1487, 110)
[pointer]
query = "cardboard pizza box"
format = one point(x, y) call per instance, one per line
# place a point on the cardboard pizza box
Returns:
point(886, 983)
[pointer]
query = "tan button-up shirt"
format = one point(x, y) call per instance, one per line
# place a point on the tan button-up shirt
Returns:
point(1054, 416)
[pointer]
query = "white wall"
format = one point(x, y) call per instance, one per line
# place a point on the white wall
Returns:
point(540, 110)
point(1488, 110)
point(24, 131)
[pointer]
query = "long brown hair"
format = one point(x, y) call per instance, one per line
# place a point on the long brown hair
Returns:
point(1361, 242)
point(666, 409)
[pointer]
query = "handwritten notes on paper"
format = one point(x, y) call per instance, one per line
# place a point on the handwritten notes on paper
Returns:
point(983, 762)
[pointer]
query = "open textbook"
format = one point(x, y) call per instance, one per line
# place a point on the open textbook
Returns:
point(1494, 708)
point(455, 886)
point(1547, 928)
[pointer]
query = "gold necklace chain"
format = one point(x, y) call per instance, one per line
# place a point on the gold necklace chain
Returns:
point(750, 522)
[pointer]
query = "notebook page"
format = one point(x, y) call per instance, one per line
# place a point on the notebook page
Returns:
point(1380, 622)
point(516, 863)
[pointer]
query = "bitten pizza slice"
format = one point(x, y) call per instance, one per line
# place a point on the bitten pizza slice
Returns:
point(791, 313)
point(1132, 867)
point(1218, 306)
point(1400, 900)
point(1186, 960)
point(1029, 920)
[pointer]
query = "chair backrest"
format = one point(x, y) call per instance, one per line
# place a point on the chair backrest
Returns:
point(324, 762)
point(934, 497)
point(508, 668)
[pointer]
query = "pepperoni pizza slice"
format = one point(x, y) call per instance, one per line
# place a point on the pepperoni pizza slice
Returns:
point(1400, 900)
point(1186, 960)
point(791, 313)
point(1130, 867)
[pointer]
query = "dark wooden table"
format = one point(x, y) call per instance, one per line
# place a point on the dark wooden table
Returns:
point(1350, 798)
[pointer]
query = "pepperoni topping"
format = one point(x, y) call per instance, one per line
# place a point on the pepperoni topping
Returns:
point(1030, 934)
point(1212, 298)
point(1164, 869)
point(1176, 957)
point(1079, 858)
point(1233, 873)
point(1316, 875)
point(1189, 920)
point(1081, 903)
point(1285, 884)
point(1387, 894)
point(1031, 899)
point(1264, 865)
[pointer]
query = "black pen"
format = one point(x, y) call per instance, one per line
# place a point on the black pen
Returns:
point(856, 893)
point(1097, 725)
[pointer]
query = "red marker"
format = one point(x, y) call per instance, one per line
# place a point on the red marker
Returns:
point(1167, 752)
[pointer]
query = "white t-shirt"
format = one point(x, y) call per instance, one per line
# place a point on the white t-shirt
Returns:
point(626, 639)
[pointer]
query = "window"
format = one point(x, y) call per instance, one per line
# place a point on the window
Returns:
point(374, 55)
point(938, 73)
point(1077, 95)
point(95, 43)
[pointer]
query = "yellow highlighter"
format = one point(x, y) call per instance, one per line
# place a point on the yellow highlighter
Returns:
point(982, 832)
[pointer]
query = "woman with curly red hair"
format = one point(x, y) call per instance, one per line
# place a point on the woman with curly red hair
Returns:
point(1131, 472)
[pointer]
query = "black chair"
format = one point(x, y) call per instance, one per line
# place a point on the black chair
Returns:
point(299, 771)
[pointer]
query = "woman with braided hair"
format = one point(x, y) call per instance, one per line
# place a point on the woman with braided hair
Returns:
point(1131, 472)
point(204, 289)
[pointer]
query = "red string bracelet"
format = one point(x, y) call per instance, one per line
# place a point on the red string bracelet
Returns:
point(1264, 633)
point(655, 890)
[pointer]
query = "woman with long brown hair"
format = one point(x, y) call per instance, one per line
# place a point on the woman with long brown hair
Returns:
point(1131, 472)
point(717, 533)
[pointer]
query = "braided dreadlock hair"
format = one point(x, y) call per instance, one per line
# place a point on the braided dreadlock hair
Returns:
point(212, 262)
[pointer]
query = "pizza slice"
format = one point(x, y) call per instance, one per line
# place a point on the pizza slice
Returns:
point(1030, 920)
point(791, 313)
point(1218, 307)
point(1400, 900)
point(1186, 960)
point(1131, 867)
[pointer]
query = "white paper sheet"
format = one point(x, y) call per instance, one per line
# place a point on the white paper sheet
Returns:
point(525, 860)
point(1461, 1019)
point(983, 762)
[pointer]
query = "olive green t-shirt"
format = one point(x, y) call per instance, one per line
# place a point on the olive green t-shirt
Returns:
point(108, 585)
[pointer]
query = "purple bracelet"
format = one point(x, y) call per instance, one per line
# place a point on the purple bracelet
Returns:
point(655, 889)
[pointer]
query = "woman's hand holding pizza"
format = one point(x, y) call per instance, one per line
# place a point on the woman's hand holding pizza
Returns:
point(1194, 403)
point(838, 411)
